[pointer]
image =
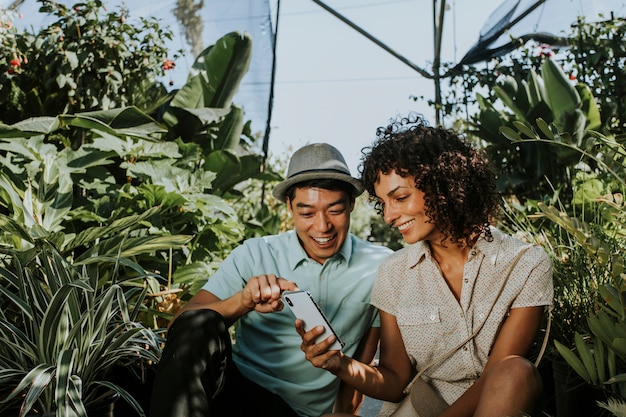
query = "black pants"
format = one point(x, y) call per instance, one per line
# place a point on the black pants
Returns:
point(196, 376)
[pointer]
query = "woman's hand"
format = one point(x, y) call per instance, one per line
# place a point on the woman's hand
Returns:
point(318, 353)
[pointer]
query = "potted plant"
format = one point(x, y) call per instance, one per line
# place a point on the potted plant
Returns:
point(61, 332)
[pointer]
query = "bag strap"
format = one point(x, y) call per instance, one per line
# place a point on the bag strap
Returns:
point(445, 356)
point(546, 336)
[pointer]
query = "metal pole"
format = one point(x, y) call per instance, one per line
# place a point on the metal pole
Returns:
point(270, 104)
point(438, 36)
point(421, 71)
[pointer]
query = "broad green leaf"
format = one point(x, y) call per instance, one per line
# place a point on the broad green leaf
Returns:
point(30, 127)
point(573, 361)
point(510, 134)
point(230, 131)
point(90, 235)
point(10, 226)
point(619, 345)
point(37, 379)
point(525, 129)
point(545, 129)
point(617, 379)
point(149, 244)
point(507, 90)
point(215, 77)
point(71, 58)
point(535, 89)
point(589, 107)
point(561, 95)
point(189, 273)
point(586, 357)
point(599, 356)
point(225, 65)
point(601, 326)
point(65, 368)
point(75, 396)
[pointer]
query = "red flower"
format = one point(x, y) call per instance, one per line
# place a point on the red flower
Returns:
point(11, 71)
point(15, 63)
point(572, 77)
point(168, 64)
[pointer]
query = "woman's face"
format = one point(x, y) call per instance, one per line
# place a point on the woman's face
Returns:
point(404, 207)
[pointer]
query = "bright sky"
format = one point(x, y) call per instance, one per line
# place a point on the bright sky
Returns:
point(334, 85)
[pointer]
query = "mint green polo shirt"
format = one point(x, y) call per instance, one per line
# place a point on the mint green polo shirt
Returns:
point(267, 349)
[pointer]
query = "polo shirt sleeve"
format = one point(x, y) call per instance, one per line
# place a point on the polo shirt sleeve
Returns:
point(538, 289)
point(231, 276)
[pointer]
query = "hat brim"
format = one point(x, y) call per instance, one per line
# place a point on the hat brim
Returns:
point(279, 191)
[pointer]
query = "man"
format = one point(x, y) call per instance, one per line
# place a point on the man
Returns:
point(265, 372)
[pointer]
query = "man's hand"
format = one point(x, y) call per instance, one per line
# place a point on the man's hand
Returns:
point(262, 293)
point(318, 353)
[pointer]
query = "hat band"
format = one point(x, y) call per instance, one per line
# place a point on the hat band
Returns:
point(319, 170)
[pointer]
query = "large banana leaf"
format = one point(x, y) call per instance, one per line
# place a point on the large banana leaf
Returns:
point(128, 121)
point(207, 95)
point(222, 66)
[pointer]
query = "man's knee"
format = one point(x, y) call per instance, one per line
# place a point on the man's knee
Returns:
point(197, 324)
point(193, 365)
point(195, 331)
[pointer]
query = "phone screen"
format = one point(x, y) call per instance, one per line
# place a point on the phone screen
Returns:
point(306, 309)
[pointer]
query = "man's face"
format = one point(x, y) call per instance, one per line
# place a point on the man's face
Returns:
point(321, 218)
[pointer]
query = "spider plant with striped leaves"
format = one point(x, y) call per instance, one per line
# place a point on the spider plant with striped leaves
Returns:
point(61, 332)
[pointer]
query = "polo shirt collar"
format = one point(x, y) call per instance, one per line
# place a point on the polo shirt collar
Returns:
point(298, 255)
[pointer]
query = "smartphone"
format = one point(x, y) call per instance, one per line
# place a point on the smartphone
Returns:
point(305, 308)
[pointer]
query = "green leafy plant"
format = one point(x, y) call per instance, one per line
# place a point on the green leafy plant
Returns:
point(592, 54)
point(600, 358)
point(596, 55)
point(61, 331)
point(87, 59)
point(546, 105)
point(129, 162)
point(586, 238)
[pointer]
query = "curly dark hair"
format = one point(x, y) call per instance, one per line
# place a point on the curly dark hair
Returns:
point(461, 197)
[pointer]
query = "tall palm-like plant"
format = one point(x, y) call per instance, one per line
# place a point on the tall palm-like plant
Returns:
point(545, 104)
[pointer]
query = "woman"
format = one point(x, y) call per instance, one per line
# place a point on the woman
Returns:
point(435, 293)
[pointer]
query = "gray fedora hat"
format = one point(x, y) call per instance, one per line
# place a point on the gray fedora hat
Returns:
point(316, 161)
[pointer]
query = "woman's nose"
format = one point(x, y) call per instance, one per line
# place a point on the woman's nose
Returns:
point(389, 215)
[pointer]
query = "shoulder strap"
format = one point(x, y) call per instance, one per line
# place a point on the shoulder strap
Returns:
point(445, 356)
point(546, 336)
